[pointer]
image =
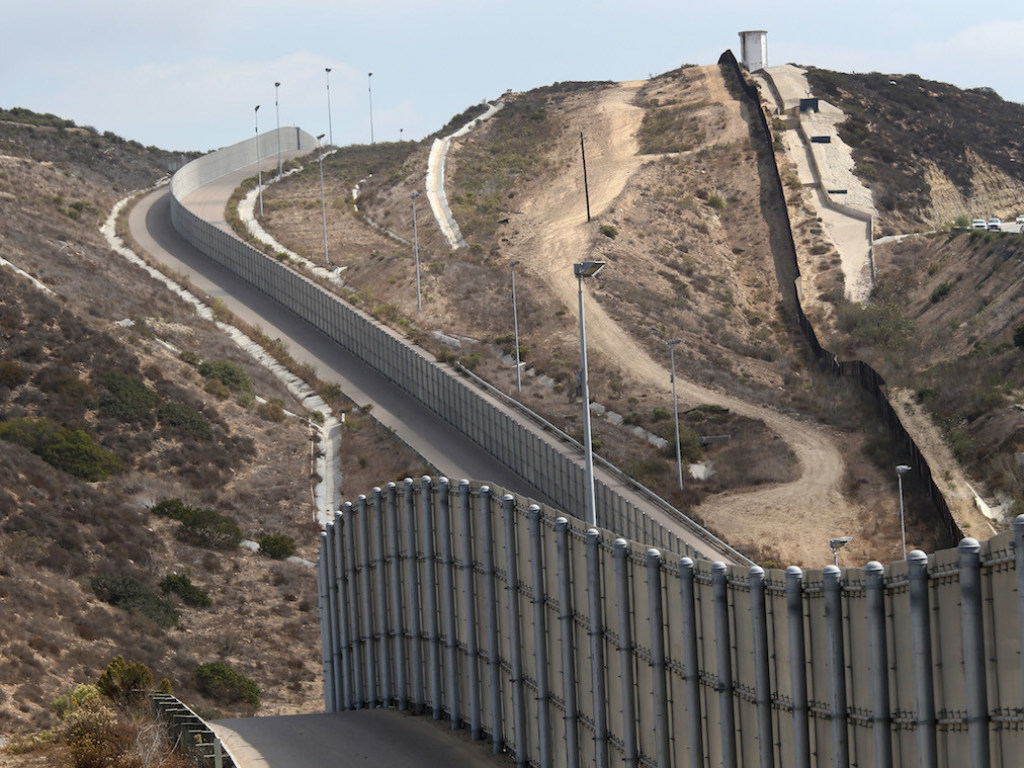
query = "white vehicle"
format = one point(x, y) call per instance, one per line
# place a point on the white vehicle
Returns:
point(1020, 219)
point(978, 224)
point(995, 225)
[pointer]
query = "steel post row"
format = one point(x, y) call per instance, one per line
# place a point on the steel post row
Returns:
point(563, 647)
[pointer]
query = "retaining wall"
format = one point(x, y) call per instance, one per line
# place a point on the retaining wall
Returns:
point(564, 647)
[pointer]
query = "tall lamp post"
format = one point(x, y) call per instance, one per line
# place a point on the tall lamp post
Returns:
point(259, 169)
point(330, 129)
point(901, 470)
point(323, 197)
point(416, 251)
point(581, 270)
point(369, 91)
point(515, 325)
point(277, 111)
point(675, 409)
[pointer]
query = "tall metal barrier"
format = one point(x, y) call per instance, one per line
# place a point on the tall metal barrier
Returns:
point(565, 647)
point(498, 431)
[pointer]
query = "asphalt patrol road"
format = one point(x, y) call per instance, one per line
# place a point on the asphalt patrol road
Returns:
point(368, 738)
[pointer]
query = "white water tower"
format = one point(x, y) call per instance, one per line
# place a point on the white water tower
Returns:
point(754, 49)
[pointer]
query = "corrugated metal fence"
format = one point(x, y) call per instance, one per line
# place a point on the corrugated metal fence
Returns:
point(565, 646)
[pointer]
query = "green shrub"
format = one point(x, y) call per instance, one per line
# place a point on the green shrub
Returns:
point(941, 292)
point(125, 397)
point(185, 419)
point(609, 230)
point(228, 373)
point(69, 450)
point(176, 509)
point(225, 685)
point(209, 528)
point(132, 595)
point(126, 684)
point(1018, 336)
point(271, 410)
point(277, 546)
point(182, 586)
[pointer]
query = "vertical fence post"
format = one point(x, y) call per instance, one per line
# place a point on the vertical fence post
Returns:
point(723, 645)
point(1018, 541)
point(397, 612)
point(451, 638)
point(836, 665)
point(515, 640)
point(798, 666)
point(656, 613)
point(326, 635)
point(343, 672)
point(540, 635)
point(354, 623)
point(594, 602)
point(972, 622)
point(383, 624)
point(430, 588)
point(691, 672)
point(628, 693)
point(366, 593)
point(762, 673)
point(469, 591)
point(920, 620)
point(491, 601)
point(566, 620)
point(881, 717)
point(412, 586)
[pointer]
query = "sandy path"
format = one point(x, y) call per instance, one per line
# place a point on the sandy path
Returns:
point(559, 236)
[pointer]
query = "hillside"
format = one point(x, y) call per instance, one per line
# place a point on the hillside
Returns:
point(114, 395)
point(676, 203)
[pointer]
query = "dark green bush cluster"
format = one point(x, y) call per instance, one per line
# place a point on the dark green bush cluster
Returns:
point(277, 546)
point(183, 418)
point(130, 594)
point(182, 586)
point(230, 374)
point(200, 526)
point(69, 450)
point(226, 685)
point(126, 398)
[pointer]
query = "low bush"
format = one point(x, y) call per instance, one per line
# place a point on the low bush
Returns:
point(228, 373)
point(125, 683)
point(226, 685)
point(126, 398)
point(184, 419)
point(277, 546)
point(130, 594)
point(182, 586)
point(69, 450)
point(200, 526)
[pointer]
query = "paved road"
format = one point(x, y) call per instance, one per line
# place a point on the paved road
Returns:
point(454, 454)
point(367, 738)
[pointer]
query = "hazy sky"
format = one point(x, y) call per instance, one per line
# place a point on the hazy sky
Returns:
point(187, 74)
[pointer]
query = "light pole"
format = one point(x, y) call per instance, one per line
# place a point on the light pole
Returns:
point(259, 170)
point(369, 91)
point(675, 409)
point(330, 129)
point(836, 544)
point(323, 198)
point(901, 470)
point(416, 251)
point(515, 325)
point(581, 270)
point(277, 111)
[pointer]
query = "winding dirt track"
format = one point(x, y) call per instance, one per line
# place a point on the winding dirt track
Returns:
point(554, 236)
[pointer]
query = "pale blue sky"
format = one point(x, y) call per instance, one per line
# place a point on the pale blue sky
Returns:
point(187, 74)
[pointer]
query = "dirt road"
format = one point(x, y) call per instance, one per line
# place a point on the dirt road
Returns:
point(553, 235)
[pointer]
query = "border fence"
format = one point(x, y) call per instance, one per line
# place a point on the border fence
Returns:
point(541, 459)
point(563, 646)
